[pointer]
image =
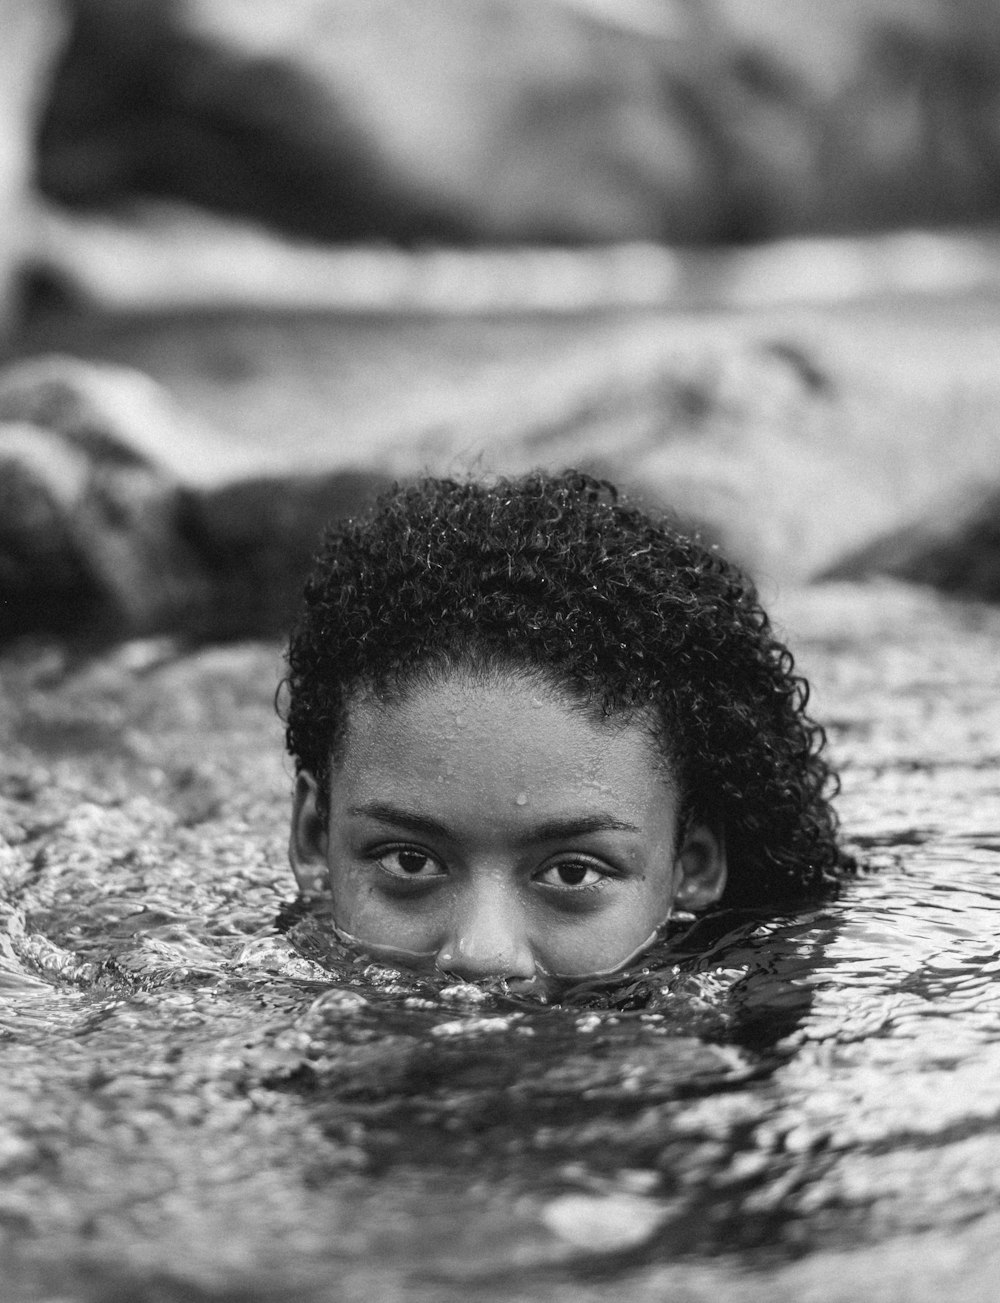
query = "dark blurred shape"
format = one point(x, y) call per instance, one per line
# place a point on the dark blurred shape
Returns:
point(143, 105)
point(255, 540)
point(534, 120)
point(954, 547)
point(99, 543)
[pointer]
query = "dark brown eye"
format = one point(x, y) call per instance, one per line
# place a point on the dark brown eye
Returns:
point(409, 862)
point(571, 873)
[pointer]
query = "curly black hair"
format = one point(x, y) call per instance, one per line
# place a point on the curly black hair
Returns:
point(556, 575)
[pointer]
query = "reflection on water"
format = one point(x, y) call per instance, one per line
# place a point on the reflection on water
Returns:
point(201, 1099)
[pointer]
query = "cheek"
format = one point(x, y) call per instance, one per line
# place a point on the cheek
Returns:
point(593, 944)
point(359, 908)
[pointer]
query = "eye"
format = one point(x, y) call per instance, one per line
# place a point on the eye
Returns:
point(572, 875)
point(409, 863)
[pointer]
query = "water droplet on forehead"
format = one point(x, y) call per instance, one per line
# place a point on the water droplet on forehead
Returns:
point(521, 798)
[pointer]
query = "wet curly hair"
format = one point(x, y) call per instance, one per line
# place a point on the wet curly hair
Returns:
point(556, 575)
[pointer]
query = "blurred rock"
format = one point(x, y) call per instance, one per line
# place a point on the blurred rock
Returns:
point(481, 119)
point(794, 438)
point(101, 534)
point(89, 540)
point(255, 540)
point(44, 580)
point(796, 434)
point(88, 543)
point(99, 542)
point(97, 402)
point(953, 546)
point(686, 120)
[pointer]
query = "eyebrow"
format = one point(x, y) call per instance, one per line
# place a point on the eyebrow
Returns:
point(551, 830)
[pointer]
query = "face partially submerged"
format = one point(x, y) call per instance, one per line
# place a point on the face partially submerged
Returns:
point(494, 829)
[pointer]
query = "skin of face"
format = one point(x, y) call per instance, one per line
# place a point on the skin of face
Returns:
point(495, 829)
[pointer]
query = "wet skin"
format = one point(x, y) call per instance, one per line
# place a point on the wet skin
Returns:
point(494, 829)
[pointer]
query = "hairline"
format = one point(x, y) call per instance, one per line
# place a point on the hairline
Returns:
point(500, 670)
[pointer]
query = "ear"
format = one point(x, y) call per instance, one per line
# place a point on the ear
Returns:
point(308, 844)
point(700, 869)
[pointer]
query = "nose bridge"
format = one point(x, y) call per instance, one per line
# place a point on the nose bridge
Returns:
point(487, 935)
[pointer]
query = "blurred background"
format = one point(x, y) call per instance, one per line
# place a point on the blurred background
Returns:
point(259, 256)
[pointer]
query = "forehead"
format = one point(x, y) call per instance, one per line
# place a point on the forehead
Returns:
point(507, 729)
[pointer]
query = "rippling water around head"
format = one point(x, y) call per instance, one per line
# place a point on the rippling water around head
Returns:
point(203, 1100)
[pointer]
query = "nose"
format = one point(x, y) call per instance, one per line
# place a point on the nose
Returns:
point(486, 937)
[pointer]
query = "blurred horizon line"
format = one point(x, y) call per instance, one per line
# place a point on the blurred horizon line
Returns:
point(170, 257)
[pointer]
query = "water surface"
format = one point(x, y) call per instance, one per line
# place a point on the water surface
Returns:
point(200, 1100)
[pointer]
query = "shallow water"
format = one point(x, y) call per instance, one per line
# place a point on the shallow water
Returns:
point(203, 1101)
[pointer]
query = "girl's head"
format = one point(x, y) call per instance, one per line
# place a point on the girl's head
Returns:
point(529, 719)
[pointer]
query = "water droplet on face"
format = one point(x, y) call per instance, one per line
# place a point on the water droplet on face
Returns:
point(459, 721)
point(537, 703)
point(440, 778)
point(521, 798)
